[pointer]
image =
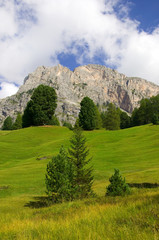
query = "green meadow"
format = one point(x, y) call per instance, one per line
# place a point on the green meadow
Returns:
point(25, 213)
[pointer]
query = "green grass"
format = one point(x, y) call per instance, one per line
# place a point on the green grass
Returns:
point(23, 158)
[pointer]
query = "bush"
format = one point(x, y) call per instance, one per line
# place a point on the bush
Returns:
point(54, 121)
point(118, 186)
point(68, 125)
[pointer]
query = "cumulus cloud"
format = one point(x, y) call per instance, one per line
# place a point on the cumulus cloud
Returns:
point(33, 33)
point(7, 89)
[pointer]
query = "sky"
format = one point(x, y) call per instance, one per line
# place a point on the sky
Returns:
point(120, 34)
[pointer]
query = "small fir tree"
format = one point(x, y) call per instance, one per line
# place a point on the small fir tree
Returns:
point(59, 178)
point(8, 124)
point(78, 153)
point(118, 186)
point(18, 122)
point(124, 120)
point(112, 119)
point(98, 120)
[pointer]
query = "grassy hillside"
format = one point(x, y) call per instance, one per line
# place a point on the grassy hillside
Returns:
point(23, 158)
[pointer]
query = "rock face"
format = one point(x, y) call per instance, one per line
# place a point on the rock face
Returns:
point(101, 84)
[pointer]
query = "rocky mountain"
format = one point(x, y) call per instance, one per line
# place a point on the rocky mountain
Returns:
point(100, 83)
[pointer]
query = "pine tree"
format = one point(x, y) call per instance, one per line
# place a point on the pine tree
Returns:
point(87, 115)
point(59, 178)
point(8, 124)
point(78, 153)
point(118, 186)
point(98, 120)
point(124, 120)
point(112, 120)
point(18, 122)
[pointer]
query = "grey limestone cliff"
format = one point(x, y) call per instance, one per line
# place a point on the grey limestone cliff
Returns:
point(100, 83)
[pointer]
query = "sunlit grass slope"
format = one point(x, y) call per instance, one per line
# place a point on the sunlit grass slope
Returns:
point(23, 158)
point(24, 155)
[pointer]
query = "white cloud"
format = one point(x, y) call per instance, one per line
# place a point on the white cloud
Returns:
point(32, 31)
point(7, 89)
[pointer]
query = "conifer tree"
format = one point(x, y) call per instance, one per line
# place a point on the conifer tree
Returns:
point(18, 122)
point(78, 153)
point(87, 115)
point(8, 124)
point(112, 120)
point(59, 177)
point(118, 186)
point(98, 119)
point(41, 107)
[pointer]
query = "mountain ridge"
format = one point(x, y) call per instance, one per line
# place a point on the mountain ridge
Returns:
point(98, 82)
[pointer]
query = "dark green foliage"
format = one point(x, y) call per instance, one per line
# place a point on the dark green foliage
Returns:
point(148, 112)
point(112, 118)
point(68, 125)
point(125, 121)
point(54, 121)
point(98, 120)
point(87, 115)
point(59, 178)
point(41, 107)
point(103, 117)
point(76, 123)
point(155, 119)
point(27, 118)
point(118, 186)
point(18, 122)
point(8, 124)
point(78, 154)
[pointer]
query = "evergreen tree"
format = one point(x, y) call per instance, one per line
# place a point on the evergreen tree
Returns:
point(18, 122)
point(98, 120)
point(41, 107)
point(78, 154)
point(112, 120)
point(124, 120)
point(27, 118)
point(59, 178)
point(118, 186)
point(155, 119)
point(87, 115)
point(8, 124)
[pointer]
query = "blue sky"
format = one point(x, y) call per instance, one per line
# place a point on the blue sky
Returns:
point(119, 34)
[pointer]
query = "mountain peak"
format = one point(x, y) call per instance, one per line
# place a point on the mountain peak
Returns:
point(98, 82)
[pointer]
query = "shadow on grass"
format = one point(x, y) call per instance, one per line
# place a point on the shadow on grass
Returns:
point(144, 185)
point(39, 202)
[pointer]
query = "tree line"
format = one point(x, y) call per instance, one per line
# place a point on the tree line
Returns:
point(40, 110)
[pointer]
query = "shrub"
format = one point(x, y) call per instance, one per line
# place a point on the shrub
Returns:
point(68, 125)
point(54, 121)
point(118, 186)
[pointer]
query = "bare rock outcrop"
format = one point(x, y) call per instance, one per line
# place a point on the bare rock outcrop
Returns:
point(100, 83)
